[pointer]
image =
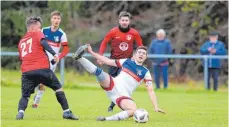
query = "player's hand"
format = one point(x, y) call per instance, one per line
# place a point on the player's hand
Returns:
point(159, 110)
point(56, 58)
point(89, 48)
point(99, 62)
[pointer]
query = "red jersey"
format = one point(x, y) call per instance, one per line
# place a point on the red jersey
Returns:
point(122, 44)
point(31, 52)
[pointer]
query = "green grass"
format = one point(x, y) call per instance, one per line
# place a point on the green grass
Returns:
point(184, 109)
point(186, 105)
point(75, 80)
point(72, 79)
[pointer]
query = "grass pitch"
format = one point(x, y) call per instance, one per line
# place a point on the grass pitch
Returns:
point(184, 108)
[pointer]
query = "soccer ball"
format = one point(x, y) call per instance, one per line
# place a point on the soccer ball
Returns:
point(141, 116)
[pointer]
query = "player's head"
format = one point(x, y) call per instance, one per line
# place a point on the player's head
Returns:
point(124, 19)
point(55, 18)
point(33, 24)
point(161, 34)
point(140, 54)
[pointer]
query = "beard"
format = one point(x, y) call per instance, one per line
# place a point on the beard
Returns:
point(124, 29)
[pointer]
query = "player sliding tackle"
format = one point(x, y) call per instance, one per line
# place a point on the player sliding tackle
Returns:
point(120, 88)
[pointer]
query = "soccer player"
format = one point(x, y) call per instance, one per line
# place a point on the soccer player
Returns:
point(35, 68)
point(56, 38)
point(120, 88)
point(122, 40)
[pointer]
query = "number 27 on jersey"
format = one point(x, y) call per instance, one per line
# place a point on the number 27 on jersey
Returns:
point(26, 47)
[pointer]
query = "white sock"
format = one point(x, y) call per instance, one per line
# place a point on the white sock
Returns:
point(21, 111)
point(38, 96)
point(66, 110)
point(90, 67)
point(119, 116)
point(37, 87)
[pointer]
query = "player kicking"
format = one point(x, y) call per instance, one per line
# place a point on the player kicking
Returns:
point(56, 38)
point(35, 68)
point(120, 88)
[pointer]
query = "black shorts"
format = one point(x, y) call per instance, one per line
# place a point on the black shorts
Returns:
point(33, 78)
point(114, 71)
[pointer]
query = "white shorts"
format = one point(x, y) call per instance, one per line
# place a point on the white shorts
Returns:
point(114, 94)
point(52, 66)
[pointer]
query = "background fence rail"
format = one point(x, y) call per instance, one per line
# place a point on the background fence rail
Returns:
point(176, 56)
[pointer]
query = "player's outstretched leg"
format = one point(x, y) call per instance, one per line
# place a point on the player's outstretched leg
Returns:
point(128, 107)
point(102, 77)
point(37, 98)
point(111, 107)
point(79, 52)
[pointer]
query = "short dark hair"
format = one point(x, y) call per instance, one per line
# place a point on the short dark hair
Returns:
point(142, 47)
point(124, 14)
point(33, 20)
point(213, 33)
point(55, 13)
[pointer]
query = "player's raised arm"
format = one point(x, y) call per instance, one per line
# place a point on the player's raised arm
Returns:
point(151, 93)
point(101, 58)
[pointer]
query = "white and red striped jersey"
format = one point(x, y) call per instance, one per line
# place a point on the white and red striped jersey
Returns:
point(131, 76)
point(55, 38)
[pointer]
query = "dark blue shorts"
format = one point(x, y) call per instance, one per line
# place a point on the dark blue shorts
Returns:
point(33, 78)
point(114, 71)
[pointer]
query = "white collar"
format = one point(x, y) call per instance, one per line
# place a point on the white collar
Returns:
point(138, 63)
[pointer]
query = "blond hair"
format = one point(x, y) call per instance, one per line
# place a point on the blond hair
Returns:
point(55, 13)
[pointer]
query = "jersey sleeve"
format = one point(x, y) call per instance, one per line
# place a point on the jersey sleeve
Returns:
point(105, 41)
point(119, 62)
point(40, 36)
point(64, 40)
point(138, 39)
point(148, 79)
